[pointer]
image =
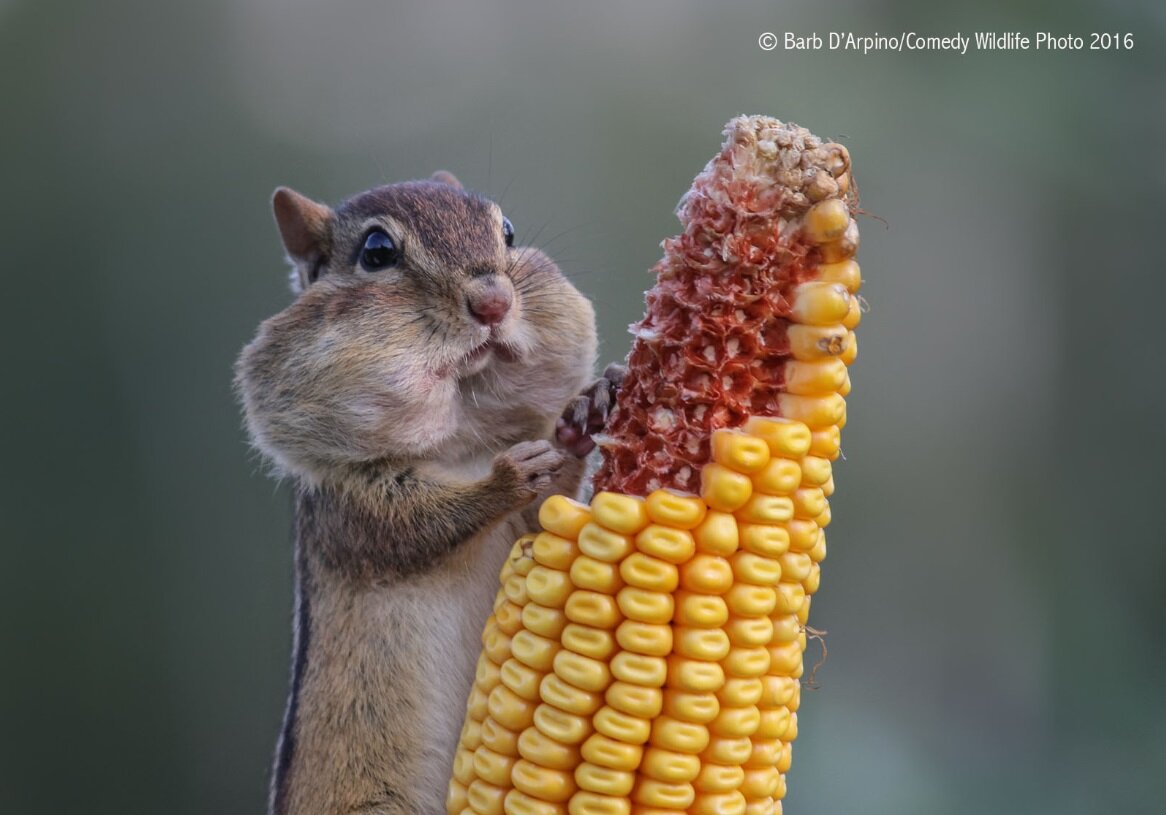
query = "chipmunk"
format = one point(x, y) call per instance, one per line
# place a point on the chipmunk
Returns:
point(425, 389)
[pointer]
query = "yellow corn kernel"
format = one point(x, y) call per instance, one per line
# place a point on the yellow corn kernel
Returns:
point(765, 509)
point(795, 567)
point(850, 353)
point(739, 450)
point(783, 765)
point(694, 674)
point(533, 650)
point(815, 411)
point(765, 753)
point(817, 303)
point(756, 569)
point(625, 514)
point(749, 631)
point(803, 613)
point(554, 551)
point(544, 751)
point(593, 803)
point(717, 534)
point(690, 707)
point(786, 628)
point(823, 519)
point(487, 674)
point(827, 443)
point(672, 545)
point(813, 378)
point(818, 553)
point(508, 617)
point(740, 691)
point(562, 516)
point(803, 534)
point(471, 735)
point(604, 780)
point(593, 609)
point(748, 600)
point(760, 782)
point(548, 587)
point(455, 798)
point(763, 806)
point(543, 783)
point(593, 574)
point(519, 803)
point(826, 220)
point(828, 487)
point(491, 767)
point(769, 540)
point(608, 752)
point(590, 642)
point(718, 778)
point(710, 644)
point(810, 584)
point(679, 736)
point(727, 750)
point(495, 645)
point(707, 574)
point(509, 709)
point(615, 724)
point(746, 661)
point(485, 798)
point(700, 610)
point(520, 678)
point(639, 669)
point(647, 572)
point(791, 732)
point(477, 706)
point(809, 502)
point(664, 794)
point(670, 766)
point(845, 247)
point(813, 342)
point(463, 766)
point(603, 544)
point(645, 606)
point(582, 672)
point(780, 476)
point(853, 315)
point(735, 722)
point(515, 588)
point(785, 658)
point(640, 809)
point(720, 803)
point(723, 489)
point(635, 700)
point(844, 388)
point(846, 272)
point(554, 690)
point(675, 509)
point(546, 622)
point(777, 691)
point(563, 727)
point(644, 638)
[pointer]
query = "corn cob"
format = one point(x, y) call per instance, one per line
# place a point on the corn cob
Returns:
point(645, 651)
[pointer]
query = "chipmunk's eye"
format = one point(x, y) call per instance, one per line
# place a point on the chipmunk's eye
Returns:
point(379, 251)
point(508, 231)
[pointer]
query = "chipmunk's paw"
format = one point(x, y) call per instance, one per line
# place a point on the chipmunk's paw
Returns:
point(529, 467)
point(587, 413)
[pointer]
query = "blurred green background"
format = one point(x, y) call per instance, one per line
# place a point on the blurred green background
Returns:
point(996, 591)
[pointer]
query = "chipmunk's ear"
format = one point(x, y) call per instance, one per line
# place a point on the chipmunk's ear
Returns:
point(304, 228)
point(446, 177)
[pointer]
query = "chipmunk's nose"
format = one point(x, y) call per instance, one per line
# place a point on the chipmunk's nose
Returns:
point(489, 303)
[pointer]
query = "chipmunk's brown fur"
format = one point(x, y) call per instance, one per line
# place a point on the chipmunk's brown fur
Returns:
point(418, 436)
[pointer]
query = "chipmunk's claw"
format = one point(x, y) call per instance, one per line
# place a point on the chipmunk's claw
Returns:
point(587, 413)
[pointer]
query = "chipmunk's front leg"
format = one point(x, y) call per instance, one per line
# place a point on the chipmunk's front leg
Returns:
point(399, 522)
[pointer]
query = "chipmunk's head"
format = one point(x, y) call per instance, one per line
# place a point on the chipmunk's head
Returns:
point(418, 327)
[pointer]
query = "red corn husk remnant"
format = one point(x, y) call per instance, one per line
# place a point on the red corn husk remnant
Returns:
point(712, 347)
